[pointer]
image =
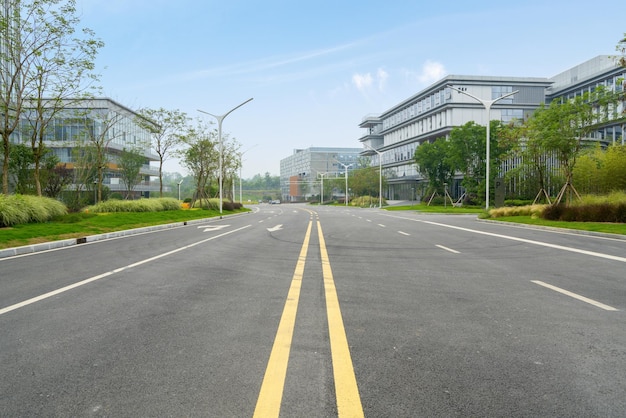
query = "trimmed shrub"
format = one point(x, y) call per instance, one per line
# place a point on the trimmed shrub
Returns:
point(596, 212)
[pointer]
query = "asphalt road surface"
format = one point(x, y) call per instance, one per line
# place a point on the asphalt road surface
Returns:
point(302, 311)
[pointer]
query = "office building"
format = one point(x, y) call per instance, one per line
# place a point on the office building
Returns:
point(302, 172)
point(435, 111)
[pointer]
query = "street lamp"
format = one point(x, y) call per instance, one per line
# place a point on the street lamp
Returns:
point(179, 183)
point(380, 175)
point(487, 104)
point(346, 167)
point(220, 118)
point(322, 189)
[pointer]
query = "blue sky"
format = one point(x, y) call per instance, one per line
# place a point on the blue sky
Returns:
point(316, 68)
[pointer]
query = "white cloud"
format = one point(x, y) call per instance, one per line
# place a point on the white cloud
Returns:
point(362, 81)
point(431, 72)
point(382, 76)
point(365, 81)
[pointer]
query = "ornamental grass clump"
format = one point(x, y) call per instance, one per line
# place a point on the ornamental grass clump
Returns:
point(21, 209)
point(141, 205)
point(534, 211)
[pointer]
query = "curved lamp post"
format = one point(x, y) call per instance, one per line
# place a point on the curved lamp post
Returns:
point(380, 175)
point(346, 167)
point(487, 104)
point(322, 189)
point(220, 118)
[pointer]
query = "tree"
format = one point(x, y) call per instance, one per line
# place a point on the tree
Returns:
point(20, 167)
point(364, 181)
point(466, 154)
point(561, 127)
point(433, 163)
point(200, 157)
point(129, 164)
point(230, 164)
point(614, 169)
point(58, 176)
point(621, 48)
point(587, 175)
point(99, 132)
point(166, 127)
point(59, 74)
point(39, 57)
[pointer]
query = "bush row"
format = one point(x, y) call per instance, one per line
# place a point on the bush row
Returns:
point(141, 205)
point(598, 212)
point(535, 211)
point(214, 204)
point(20, 209)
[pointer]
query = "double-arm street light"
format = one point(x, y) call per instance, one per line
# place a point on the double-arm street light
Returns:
point(380, 174)
point(322, 188)
point(179, 183)
point(220, 118)
point(346, 167)
point(487, 104)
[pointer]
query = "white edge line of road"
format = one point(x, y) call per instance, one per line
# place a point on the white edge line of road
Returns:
point(575, 296)
point(527, 241)
point(109, 273)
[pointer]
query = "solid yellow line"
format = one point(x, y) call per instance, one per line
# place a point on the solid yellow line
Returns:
point(271, 394)
point(347, 391)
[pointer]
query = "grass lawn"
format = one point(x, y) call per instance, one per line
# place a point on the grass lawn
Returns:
point(611, 228)
point(437, 209)
point(76, 225)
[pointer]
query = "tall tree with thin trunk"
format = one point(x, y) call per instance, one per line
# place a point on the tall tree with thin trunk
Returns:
point(166, 127)
point(40, 56)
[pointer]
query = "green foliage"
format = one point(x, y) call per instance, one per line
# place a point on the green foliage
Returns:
point(19, 209)
point(130, 163)
point(601, 212)
point(433, 163)
point(141, 205)
point(366, 202)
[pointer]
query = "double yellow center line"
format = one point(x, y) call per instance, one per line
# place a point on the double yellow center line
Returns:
point(347, 392)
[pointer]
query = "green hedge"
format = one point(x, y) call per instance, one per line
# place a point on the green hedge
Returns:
point(141, 205)
point(599, 212)
point(20, 209)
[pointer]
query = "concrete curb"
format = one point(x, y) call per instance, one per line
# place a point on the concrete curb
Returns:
point(54, 245)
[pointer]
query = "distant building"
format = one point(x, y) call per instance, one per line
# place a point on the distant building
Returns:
point(103, 118)
point(435, 111)
point(302, 172)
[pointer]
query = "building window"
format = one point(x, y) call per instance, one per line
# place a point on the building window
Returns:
point(499, 91)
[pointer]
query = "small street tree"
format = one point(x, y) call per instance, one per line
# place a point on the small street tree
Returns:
point(129, 164)
point(200, 157)
point(98, 132)
point(166, 127)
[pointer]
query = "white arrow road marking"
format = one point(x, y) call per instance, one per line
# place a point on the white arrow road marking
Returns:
point(447, 249)
point(208, 228)
point(275, 228)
